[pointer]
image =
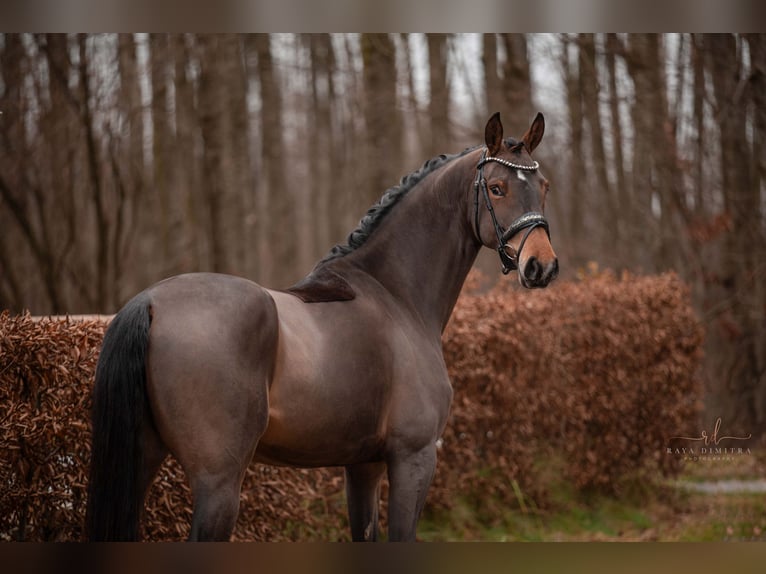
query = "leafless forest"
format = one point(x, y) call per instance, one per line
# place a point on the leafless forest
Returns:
point(128, 158)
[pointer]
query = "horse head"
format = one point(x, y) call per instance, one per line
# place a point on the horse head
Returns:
point(513, 190)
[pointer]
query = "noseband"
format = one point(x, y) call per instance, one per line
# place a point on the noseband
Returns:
point(528, 221)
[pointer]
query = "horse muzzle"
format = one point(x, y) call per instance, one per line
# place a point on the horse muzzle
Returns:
point(536, 274)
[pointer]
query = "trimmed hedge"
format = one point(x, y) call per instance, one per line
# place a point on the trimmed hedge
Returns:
point(594, 375)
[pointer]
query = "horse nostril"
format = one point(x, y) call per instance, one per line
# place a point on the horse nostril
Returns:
point(533, 269)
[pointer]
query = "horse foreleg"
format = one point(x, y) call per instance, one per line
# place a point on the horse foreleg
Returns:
point(363, 496)
point(409, 477)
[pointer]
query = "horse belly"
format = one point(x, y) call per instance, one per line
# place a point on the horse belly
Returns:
point(329, 396)
point(317, 422)
point(312, 454)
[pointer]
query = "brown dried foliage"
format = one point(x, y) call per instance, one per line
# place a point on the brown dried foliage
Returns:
point(596, 373)
point(45, 373)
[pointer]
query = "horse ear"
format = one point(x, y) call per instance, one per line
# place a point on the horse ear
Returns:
point(493, 134)
point(534, 134)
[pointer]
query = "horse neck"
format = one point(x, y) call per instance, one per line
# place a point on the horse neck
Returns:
point(425, 247)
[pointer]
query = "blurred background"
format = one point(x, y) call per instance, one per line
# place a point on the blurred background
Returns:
point(126, 158)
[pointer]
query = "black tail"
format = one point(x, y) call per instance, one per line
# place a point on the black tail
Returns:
point(115, 493)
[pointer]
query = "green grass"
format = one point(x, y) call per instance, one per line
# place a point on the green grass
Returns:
point(650, 510)
point(702, 517)
point(647, 509)
point(732, 517)
point(603, 518)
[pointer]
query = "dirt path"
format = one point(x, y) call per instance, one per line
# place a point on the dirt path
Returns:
point(725, 486)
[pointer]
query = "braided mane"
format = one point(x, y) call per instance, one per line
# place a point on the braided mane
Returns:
point(372, 219)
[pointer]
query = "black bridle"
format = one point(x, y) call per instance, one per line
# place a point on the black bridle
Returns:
point(528, 221)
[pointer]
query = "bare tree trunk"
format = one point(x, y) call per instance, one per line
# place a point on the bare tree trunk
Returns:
point(757, 196)
point(439, 94)
point(603, 196)
point(55, 193)
point(741, 201)
point(322, 153)
point(134, 169)
point(219, 80)
point(642, 57)
point(104, 295)
point(348, 150)
point(698, 63)
point(237, 152)
point(674, 249)
point(162, 143)
point(59, 131)
point(192, 241)
point(621, 197)
point(516, 85)
point(492, 85)
point(11, 296)
point(383, 138)
point(131, 107)
point(279, 249)
point(419, 132)
point(658, 196)
point(576, 198)
point(220, 102)
point(211, 102)
point(757, 45)
point(22, 197)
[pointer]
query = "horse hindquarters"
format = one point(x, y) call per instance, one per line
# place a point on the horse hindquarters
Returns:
point(115, 490)
point(210, 363)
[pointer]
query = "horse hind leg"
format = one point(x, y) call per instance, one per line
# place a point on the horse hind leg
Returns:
point(214, 438)
point(154, 454)
point(215, 475)
point(363, 497)
point(409, 476)
point(216, 507)
point(216, 494)
point(215, 462)
point(209, 375)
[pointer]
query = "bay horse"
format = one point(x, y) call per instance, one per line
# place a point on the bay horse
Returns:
point(343, 369)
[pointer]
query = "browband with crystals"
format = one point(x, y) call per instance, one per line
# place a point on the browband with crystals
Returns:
point(510, 164)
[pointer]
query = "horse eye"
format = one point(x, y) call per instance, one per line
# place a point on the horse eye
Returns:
point(495, 189)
